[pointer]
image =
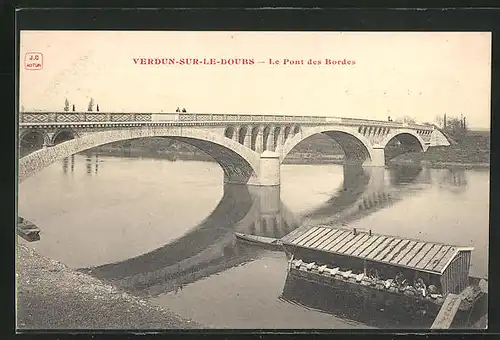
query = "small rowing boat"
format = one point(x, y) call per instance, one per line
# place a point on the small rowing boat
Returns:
point(27, 230)
point(259, 240)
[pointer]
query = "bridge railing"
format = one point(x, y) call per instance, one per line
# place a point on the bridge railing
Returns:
point(67, 117)
point(58, 117)
point(368, 122)
point(249, 118)
point(92, 117)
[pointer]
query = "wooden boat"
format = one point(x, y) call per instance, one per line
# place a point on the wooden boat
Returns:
point(259, 240)
point(372, 308)
point(27, 230)
point(389, 268)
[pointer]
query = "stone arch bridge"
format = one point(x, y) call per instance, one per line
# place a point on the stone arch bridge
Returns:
point(249, 148)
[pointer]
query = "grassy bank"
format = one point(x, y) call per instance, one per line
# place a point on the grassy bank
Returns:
point(473, 150)
point(318, 149)
point(52, 296)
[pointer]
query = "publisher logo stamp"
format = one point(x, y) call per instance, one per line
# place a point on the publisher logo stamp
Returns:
point(33, 61)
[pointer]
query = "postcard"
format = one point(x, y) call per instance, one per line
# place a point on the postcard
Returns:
point(253, 180)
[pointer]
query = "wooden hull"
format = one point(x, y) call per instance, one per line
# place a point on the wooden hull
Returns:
point(29, 231)
point(372, 305)
point(359, 304)
point(267, 242)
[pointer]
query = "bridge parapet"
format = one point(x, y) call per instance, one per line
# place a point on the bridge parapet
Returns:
point(369, 122)
point(250, 118)
point(74, 117)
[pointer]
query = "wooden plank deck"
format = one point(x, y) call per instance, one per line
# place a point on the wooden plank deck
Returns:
point(429, 256)
point(444, 259)
point(358, 245)
point(420, 255)
point(314, 238)
point(447, 312)
point(305, 235)
point(411, 254)
point(371, 246)
point(388, 248)
point(329, 239)
point(339, 239)
point(439, 255)
point(404, 252)
point(295, 235)
point(323, 237)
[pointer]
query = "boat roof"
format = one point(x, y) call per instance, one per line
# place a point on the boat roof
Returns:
point(402, 252)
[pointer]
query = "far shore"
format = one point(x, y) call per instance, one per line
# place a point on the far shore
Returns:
point(291, 159)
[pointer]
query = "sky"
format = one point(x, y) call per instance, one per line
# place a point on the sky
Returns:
point(397, 74)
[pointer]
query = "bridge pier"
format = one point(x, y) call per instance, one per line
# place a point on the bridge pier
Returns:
point(269, 170)
point(378, 158)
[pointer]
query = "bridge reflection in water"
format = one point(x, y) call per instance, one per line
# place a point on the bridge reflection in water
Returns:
point(211, 247)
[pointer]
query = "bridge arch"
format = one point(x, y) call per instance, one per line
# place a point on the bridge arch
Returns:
point(63, 135)
point(405, 136)
point(286, 132)
point(407, 141)
point(265, 138)
point(229, 132)
point(32, 140)
point(254, 134)
point(239, 163)
point(277, 132)
point(357, 148)
point(242, 134)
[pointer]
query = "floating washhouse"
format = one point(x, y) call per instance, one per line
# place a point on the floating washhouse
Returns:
point(411, 268)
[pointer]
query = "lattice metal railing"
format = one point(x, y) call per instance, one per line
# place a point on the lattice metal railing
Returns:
point(34, 118)
point(122, 118)
point(92, 117)
point(143, 117)
point(70, 117)
point(42, 117)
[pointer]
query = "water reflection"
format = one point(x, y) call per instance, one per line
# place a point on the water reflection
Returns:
point(68, 162)
point(365, 191)
point(400, 175)
point(211, 246)
point(208, 248)
point(452, 180)
point(91, 165)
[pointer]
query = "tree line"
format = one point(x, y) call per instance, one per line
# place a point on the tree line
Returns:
point(456, 127)
point(90, 106)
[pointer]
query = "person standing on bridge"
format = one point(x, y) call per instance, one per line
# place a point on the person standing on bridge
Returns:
point(178, 110)
point(184, 110)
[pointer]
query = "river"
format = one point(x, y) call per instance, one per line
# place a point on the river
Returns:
point(163, 230)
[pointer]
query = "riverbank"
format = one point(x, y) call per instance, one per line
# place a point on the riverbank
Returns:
point(472, 151)
point(51, 295)
point(296, 158)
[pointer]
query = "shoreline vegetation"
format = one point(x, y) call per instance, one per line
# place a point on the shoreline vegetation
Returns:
point(471, 151)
